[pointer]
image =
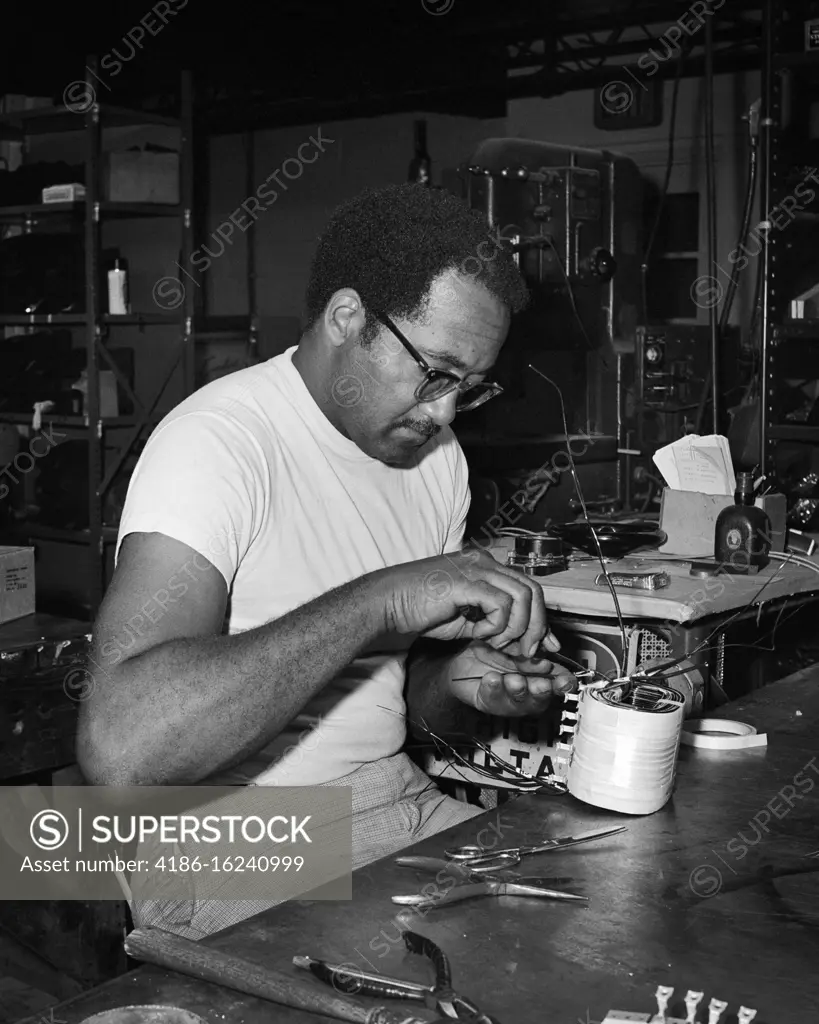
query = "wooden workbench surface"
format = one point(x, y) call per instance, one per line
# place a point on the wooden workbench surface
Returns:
point(718, 892)
point(685, 600)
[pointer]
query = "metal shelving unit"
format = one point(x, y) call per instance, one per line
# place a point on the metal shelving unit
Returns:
point(110, 439)
point(789, 346)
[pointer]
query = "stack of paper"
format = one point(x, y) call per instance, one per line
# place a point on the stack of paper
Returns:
point(697, 463)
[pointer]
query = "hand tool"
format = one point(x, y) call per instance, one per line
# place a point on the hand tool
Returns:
point(161, 948)
point(466, 873)
point(486, 887)
point(487, 861)
point(440, 996)
point(478, 883)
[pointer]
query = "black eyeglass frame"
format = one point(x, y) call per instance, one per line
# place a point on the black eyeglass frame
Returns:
point(488, 389)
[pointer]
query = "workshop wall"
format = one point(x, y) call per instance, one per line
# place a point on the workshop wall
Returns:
point(369, 152)
point(376, 151)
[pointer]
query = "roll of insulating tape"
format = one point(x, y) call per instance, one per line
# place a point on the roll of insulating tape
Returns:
point(721, 734)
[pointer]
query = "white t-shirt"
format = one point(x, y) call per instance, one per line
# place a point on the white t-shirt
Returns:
point(251, 474)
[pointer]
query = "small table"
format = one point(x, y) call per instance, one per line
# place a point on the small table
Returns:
point(718, 892)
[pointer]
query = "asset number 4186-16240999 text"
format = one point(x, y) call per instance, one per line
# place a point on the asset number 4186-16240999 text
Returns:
point(235, 865)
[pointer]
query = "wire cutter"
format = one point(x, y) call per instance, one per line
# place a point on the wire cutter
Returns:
point(478, 883)
point(440, 996)
point(482, 861)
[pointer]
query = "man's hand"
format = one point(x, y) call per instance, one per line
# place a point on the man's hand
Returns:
point(468, 595)
point(506, 687)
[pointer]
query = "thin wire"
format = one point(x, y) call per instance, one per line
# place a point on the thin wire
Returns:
point(572, 299)
point(582, 501)
point(756, 644)
point(717, 629)
point(446, 751)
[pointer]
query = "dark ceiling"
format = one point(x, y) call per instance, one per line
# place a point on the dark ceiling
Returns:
point(286, 62)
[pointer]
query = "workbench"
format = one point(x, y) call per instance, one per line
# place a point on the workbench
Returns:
point(687, 619)
point(685, 601)
point(718, 892)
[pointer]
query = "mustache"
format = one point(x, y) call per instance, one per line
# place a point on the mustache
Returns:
point(428, 428)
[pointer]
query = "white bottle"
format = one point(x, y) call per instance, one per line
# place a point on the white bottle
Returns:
point(118, 289)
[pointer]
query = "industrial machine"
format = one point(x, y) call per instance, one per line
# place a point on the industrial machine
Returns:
point(572, 217)
point(672, 364)
point(670, 388)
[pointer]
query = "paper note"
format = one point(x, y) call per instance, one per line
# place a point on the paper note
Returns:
point(695, 463)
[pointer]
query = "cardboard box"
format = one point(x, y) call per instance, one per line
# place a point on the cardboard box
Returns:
point(140, 176)
point(16, 583)
point(689, 520)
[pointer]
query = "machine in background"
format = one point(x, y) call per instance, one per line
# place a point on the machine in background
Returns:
point(572, 217)
point(671, 366)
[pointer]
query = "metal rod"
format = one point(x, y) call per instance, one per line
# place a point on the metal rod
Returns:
point(93, 141)
point(187, 311)
point(767, 125)
point(710, 192)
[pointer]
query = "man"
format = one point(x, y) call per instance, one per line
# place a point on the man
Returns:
point(293, 529)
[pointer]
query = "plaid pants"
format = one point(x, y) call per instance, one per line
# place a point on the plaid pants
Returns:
point(394, 805)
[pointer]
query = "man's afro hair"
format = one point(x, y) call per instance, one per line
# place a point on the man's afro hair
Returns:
point(389, 244)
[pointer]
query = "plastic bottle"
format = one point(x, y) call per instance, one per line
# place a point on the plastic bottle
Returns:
point(118, 289)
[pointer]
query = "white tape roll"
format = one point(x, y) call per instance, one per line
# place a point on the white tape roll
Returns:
point(721, 734)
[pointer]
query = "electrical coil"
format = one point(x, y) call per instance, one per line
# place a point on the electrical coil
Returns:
point(642, 697)
point(622, 745)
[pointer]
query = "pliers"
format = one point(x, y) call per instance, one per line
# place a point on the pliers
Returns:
point(440, 997)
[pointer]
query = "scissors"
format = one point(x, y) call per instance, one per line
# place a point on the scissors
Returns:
point(464, 872)
point(478, 883)
point(483, 861)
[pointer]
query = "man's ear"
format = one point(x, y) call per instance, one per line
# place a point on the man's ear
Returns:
point(344, 317)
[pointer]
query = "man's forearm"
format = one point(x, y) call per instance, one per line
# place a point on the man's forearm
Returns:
point(178, 712)
point(429, 701)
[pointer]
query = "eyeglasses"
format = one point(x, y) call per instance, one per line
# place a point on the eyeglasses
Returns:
point(438, 383)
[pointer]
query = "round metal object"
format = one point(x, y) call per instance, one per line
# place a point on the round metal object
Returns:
point(145, 1015)
point(538, 546)
point(538, 555)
